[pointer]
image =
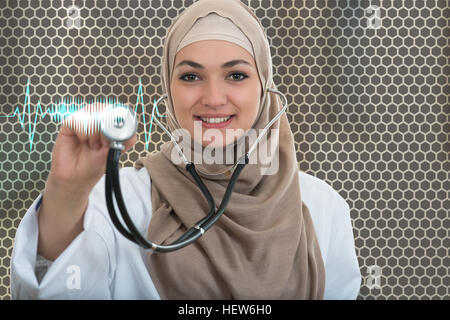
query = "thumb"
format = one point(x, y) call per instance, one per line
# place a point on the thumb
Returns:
point(129, 143)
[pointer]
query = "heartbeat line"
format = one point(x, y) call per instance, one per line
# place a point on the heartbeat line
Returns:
point(73, 112)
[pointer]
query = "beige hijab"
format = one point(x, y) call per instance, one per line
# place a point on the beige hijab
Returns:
point(264, 246)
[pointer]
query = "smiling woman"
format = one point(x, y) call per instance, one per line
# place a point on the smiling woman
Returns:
point(271, 242)
point(215, 79)
point(221, 88)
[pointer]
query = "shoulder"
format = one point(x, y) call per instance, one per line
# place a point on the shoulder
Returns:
point(330, 213)
point(136, 176)
point(316, 191)
point(328, 209)
point(132, 182)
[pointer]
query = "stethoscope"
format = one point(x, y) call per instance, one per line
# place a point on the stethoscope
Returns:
point(120, 128)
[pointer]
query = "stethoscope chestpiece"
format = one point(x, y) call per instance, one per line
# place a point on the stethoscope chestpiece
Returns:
point(118, 123)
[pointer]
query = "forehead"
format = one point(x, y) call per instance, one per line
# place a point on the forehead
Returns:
point(213, 52)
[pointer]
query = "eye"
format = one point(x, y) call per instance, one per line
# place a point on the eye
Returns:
point(238, 76)
point(189, 77)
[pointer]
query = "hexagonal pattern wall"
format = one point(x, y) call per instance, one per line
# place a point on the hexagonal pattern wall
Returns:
point(368, 106)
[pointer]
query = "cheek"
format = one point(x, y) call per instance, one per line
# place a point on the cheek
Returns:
point(182, 100)
point(249, 107)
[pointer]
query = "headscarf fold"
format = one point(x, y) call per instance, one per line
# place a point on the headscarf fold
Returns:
point(264, 246)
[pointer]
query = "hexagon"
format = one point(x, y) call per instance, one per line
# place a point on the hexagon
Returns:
point(323, 57)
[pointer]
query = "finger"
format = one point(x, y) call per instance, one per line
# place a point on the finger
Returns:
point(94, 141)
point(74, 134)
point(89, 125)
point(104, 142)
point(79, 125)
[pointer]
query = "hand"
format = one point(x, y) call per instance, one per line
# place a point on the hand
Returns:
point(79, 159)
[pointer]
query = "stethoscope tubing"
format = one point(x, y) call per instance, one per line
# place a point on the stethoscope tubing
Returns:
point(112, 186)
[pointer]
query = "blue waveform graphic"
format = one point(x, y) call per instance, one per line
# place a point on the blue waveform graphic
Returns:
point(73, 112)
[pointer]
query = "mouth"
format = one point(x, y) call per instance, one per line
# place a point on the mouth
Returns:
point(216, 121)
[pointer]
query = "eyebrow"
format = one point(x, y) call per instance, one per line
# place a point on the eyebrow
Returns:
point(228, 64)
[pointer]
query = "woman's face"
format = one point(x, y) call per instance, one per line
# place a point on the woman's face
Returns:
point(211, 81)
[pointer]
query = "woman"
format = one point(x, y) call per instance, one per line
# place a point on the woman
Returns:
point(273, 242)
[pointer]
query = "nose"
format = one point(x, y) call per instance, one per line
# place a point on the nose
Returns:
point(214, 94)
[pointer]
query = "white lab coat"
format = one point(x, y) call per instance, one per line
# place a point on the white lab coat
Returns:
point(102, 264)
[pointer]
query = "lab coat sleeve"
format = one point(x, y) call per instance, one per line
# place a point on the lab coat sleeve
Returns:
point(343, 273)
point(84, 270)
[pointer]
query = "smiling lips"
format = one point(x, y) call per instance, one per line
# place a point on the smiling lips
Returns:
point(215, 121)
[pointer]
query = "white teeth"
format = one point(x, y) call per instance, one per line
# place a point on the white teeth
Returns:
point(215, 120)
